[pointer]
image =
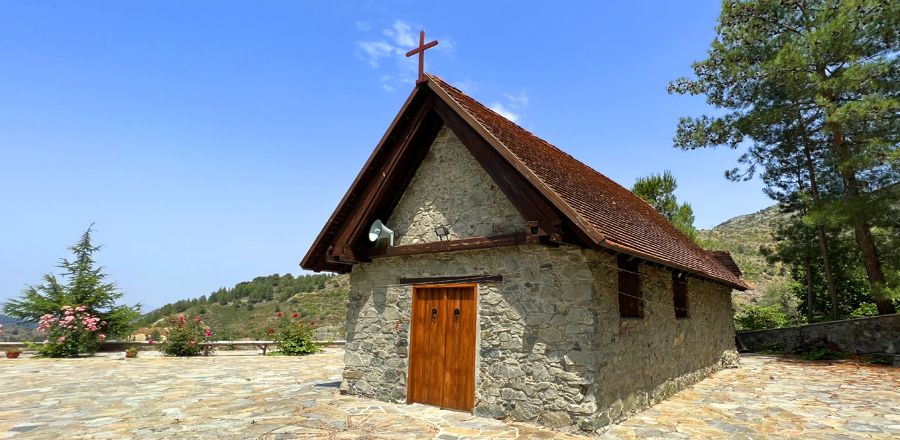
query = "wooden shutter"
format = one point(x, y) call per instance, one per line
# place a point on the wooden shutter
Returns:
point(631, 304)
point(680, 294)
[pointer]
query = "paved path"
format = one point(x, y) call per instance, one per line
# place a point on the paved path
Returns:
point(234, 396)
point(769, 397)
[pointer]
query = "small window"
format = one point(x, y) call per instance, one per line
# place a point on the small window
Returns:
point(631, 305)
point(680, 293)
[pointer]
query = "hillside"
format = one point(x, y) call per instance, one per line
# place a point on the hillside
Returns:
point(743, 236)
point(16, 330)
point(244, 310)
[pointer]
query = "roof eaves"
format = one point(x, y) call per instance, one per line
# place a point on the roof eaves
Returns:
point(609, 244)
point(313, 260)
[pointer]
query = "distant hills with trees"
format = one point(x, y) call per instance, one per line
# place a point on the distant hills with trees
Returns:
point(15, 329)
point(246, 309)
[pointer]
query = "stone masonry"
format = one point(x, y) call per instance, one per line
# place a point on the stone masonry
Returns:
point(551, 347)
point(451, 189)
point(874, 334)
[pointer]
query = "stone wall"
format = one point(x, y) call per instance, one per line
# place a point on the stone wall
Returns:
point(876, 334)
point(641, 361)
point(517, 318)
point(450, 188)
point(551, 346)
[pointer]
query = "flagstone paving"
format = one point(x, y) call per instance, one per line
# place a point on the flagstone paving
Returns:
point(240, 395)
point(772, 397)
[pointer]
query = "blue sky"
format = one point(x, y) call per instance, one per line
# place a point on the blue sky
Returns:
point(209, 141)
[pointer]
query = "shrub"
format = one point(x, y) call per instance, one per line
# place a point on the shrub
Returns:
point(864, 309)
point(822, 354)
point(771, 347)
point(72, 331)
point(879, 360)
point(760, 317)
point(185, 337)
point(293, 334)
point(82, 285)
point(131, 352)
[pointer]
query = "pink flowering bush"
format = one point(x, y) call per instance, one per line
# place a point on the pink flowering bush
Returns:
point(293, 335)
point(186, 336)
point(71, 332)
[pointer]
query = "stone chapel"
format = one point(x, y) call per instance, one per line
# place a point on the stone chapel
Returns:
point(520, 282)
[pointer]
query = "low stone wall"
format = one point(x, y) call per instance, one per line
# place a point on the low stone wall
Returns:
point(876, 334)
point(113, 346)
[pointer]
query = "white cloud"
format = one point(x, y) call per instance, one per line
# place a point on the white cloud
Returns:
point(373, 51)
point(387, 51)
point(387, 83)
point(467, 85)
point(505, 112)
point(402, 34)
point(518, 100)
point(446, 44)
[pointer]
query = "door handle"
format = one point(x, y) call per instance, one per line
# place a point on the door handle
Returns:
point(456, 315)
point(433, 315)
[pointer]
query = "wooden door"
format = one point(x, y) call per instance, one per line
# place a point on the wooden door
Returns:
point(442, 346)
point(426, 355)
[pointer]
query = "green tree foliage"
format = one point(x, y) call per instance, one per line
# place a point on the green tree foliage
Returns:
point(659, 191)
point(864, 309)
point(82, 283)
point(795, 246)
point(761, 317)
point(811, 88)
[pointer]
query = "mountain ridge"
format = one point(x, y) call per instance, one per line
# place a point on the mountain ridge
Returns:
point(743, 236)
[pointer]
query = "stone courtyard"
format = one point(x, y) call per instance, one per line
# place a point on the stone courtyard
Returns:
point(242, 395)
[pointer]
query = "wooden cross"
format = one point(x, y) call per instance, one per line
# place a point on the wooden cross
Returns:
point(421, 51)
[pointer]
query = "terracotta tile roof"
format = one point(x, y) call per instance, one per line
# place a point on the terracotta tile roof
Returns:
point(623, 221)
point(724, 258)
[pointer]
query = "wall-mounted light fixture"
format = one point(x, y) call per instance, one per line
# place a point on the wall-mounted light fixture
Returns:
point(442, 232)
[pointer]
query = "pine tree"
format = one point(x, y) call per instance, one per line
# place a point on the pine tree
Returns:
point(84, 284)
point(659, 191)
point(836, 62)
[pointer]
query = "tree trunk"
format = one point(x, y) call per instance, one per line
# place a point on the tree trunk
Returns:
point(862, 230)
point(829, 278)
point(820, 230)
point(809, 292)
point(866, 243)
